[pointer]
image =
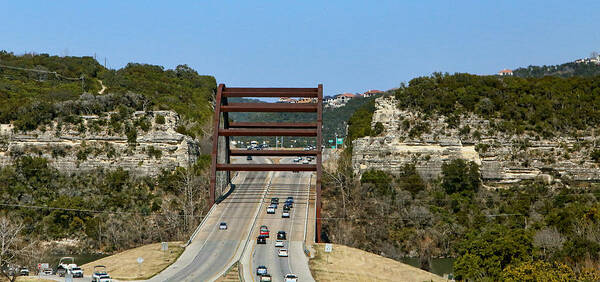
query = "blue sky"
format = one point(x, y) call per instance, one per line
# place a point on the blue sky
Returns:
point(349, 46)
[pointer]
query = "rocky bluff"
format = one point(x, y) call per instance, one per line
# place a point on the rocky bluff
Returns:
point(143, 143)
point(428, 142)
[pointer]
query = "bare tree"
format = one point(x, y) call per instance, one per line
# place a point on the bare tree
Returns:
point(14, 249)
point(549, 239)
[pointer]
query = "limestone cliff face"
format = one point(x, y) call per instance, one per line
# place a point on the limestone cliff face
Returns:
point(137, 143)
point(428, 142)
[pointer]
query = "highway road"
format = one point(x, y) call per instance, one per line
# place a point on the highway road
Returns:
point(213, 249)
point(284, 184)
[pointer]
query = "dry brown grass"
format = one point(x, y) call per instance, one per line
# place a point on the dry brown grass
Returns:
point(233, 275)
point(350, 264)
point(124, 266)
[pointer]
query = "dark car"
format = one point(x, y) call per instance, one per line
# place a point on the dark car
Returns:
point(261, 239)
point(286, 207)
point(261, 270)
point(274, 200)
point(249, 158)
point(290, 199)
point(281, 235)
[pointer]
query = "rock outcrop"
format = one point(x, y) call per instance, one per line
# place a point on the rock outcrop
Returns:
point(143, 143)
point(428, 142)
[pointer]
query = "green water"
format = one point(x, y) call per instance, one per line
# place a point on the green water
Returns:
point(439, 266)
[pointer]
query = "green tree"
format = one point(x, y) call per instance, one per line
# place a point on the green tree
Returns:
point(459, 176)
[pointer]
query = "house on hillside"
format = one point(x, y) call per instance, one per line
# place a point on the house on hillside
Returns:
point(505, 72)
point(287, 100)
point(371, 93)
point(307, 100)
point(340, 100)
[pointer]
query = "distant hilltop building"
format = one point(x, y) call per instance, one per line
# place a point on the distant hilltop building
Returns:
point(340, 100)
point(593, 59)
point(371, 93)
point(287, 100)
point(505, 72)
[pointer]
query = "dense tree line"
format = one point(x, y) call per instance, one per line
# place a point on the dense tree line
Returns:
point(493, 233)
point(549, 105)
point(30, 99)
point(563, 70)
point(108, 210)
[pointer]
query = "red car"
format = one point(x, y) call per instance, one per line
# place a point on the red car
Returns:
point(264, 231)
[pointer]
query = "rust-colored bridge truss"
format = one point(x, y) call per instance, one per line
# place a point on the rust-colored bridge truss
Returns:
point(226, 128)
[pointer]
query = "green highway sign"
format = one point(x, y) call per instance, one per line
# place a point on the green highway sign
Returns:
point(330, 140)
point(340, 141)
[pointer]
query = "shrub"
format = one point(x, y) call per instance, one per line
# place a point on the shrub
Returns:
point(459, 176)
point(160, 119)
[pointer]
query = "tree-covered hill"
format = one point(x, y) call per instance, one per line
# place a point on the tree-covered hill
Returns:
point(563, 70)
point(34, 88)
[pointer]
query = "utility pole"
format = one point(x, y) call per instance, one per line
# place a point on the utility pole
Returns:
point(104, 62)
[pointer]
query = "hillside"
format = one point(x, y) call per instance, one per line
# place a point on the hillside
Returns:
point(38, 88)
point(497, 172)
point(103, 170)
point(570, 69)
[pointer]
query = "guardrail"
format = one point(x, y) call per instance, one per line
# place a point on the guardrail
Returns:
point(304, 248)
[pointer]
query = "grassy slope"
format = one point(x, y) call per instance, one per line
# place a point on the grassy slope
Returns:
point(350, 264)
point(124, 265)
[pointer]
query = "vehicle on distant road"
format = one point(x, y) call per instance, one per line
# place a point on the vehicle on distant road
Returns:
point(275, 201)
point(289, 199)
point(296, 160)
point(265, 278)
point(249, 158)
point(65, 264)
point(24, 271)
point(264, 230)
point(77, 272)
point(261, 239)
point(105, 278)
point(282, 253)
point(305, 162)
point(270, 210)
point(279, 243)
point(285, 214)
point(223, 226)
point(281, 235)
point(290, 278)
point(261, 270)
point(286, 207)
point(99, 271)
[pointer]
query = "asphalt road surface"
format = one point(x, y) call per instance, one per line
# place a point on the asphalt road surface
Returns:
point(284, 184)
point(213, 249)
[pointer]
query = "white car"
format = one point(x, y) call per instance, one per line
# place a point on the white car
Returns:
point(279, 243)
point(77, 272)
point(282, 253)
point(305, 162)
point(285, 214)
point(290, 278)
point(105, 278)
point(223, 226)
point(270, 210)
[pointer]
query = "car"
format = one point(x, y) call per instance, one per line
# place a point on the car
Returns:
point(290, 199)
point(270, 210)
point(286, 207)
point(281, 235)
point(264, 230)
point(290, 278)
point(261, 270)
point(275, 201)
point(279, 243)
point(223, 226)
point(105, 278)
point(249, 158)
point(77, 272)
point(261, 239)
point(305, 162)
point(24, 271)
point(285, 214)
point(282, 253)
point(265, 278)
point(296, 160)
point(99, 271)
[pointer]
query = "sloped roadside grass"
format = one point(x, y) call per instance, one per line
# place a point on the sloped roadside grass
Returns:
point(350, 264)
point(124, 266)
